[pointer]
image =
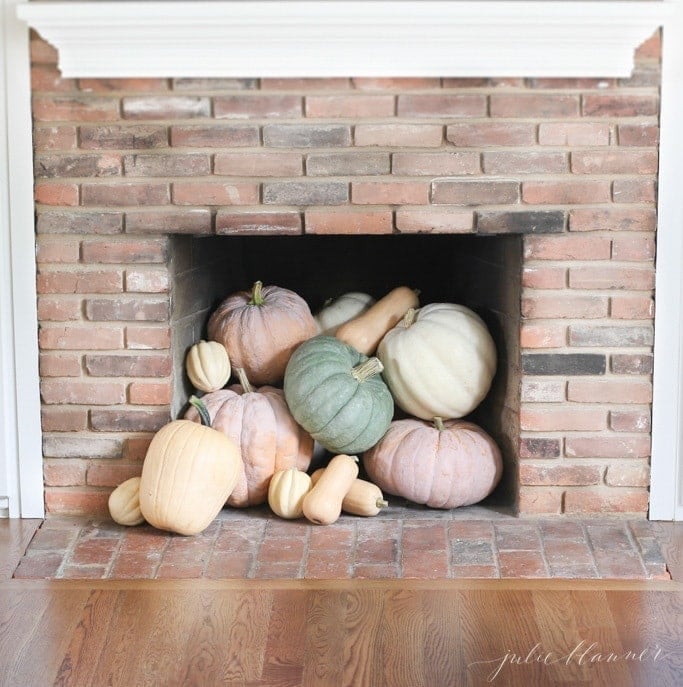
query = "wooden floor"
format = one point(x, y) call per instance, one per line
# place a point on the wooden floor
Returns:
point(436, 633)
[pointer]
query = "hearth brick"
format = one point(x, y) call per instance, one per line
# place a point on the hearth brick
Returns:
point(348, 221)
point(564, 364)
point(520, 222)
point(434, 220)
point(258, 223)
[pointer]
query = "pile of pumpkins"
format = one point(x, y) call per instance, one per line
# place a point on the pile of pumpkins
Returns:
point(334, 379)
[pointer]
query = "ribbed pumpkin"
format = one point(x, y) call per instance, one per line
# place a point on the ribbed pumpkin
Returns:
point(438, 361)
point(337, 394)
point(286, 492)
point(188, 473)
point(124, 503)
point(342, 309)
point(208, 366)
point(266, 434)
point(444, 464)
point(261, 328)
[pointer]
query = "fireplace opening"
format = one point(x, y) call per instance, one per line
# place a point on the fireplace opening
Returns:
point(482, 273)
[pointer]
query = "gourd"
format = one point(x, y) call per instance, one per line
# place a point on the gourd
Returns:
point(366, 331)
point(267, 436)
point(444, 464)
point(124, 503)
point(286, 492)
point(261, 328)
point(208, 366)
point(363, 497)
point(338, 395)
point(323, 503)
point(188, 473)
point(439, 361)
point(342, 309)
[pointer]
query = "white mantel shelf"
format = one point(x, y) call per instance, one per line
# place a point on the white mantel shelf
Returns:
point(282, 38)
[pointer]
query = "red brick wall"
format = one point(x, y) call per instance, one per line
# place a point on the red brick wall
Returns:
point(571, 163)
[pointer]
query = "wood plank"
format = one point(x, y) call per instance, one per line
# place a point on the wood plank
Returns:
point(15, 536)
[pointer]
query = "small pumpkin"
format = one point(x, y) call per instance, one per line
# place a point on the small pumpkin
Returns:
point(337, 311)
point(124, 503)
point(268, 438)
point(337, 394)
point(322, 505)
point(444, 464)
point(363, 497)
point(188, 473)
point(261, 328)
point(208, 366)
point(286, 493)
point(439, 361)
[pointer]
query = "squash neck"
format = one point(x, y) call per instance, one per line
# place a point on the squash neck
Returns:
point(257, 294)
point(366, 370)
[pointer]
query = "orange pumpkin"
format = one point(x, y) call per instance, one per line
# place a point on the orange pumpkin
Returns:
point(260, 330)
point(268, 437)
point(444, 464)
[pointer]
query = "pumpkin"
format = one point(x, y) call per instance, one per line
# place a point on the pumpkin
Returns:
point(124, 503)
point(261, 328)
point(366, 331)
point(323, 504)
point(439, 361)
point(286, 492)
point(207, 365)
point(187, 475)
point(444, 464)
point(363, 497)
point(338, 395)
point(266, 434)
point(337, 311)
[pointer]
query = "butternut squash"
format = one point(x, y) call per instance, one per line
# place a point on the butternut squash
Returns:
point(366, 331)
point(363, 498)
point(323, 504)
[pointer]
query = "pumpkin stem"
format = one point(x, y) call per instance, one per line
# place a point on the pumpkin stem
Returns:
point(202, 410)
point(367, 369)
point(244, 382)
point(438, 423)
point(409, 318)
point(381, 503)
point(257, 294)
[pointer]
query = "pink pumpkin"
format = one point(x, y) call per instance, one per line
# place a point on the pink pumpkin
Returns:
point(444, 464)
point(268, 437)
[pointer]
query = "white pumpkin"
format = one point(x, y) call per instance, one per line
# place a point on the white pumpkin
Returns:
point(439, 361)
point(286, 492)
point(208, 366)
point(340, 310)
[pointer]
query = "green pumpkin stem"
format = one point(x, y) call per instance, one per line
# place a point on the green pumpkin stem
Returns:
point(409, 318)
point(202, 410)
point(438, 423)
point(257, 294)
point(381, 503)
point(367, 369)
point(244, 381)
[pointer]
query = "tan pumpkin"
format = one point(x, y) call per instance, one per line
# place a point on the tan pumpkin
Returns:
point(124, 503)
point(444, 464)
point(188, 473)
point(260, 330)
point(323, 503)
point(208, 366)
point(363, 498)
point(267, 436)
point(286, 493)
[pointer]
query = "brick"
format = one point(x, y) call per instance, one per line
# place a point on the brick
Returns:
point(80, 281)
point(632, 308)
point(608, 446)
point(129, 420)
point(390, 192)
point(573, 134)
point(540, 500)
point(491, 134)
point(614, 162)
point(539, 447)
point(39, 567)
point(349, 221)
point(147, 281)
point(542, 390)
point(140, 393)
point(60, 364)
point(125, 193)
point(634, 191)
point(544, 277)
point(537, 105)
point(435, 164)
point(305, 192)
point(215, 193)
point(425, 565)
point(357, 105)
point(633, 247)
point(632, 364)
point(64, 473)
point(247, 105)
point(59, 309)
point(306, 135)
point(130, 250)
point(398, 135)
point(596, 335)
point(550, 306)
point(131, 308)
point(522, 564)
point(394, 83)
point(521, 222)
point(56, 193)
point(148, 338)
point(347, 164)
point(305, 84)
point(630, 420)
point(123, 137)
point(120, 85)
point(617, 219)
point(55, 138)
point(442, 105)
point(528, 162)
point(60, 249)
point(559, 475)
point(619, 105)
point(258, 164)
point(214, 136)
point(258, 222)
point(186, 221)
point(58, 419)
point(166, 107)
point(122, 365)
point(433, 220)
point(75, 108)
point(41, 51)
point(651, 48)
point(609, 391)
point(77, 338)
point(46, 77)
point(560, 419)
point(542, 335)
point(566, 192)
point(84, 446)
point(612, 277)
point(79, 222)
point(643, 75)
point(135, 448)
point(111, 474)
point(646, 135)
point(79, 392)
point(474, 192)
point(571, 83)
point(628, 475)
point(606, 500)
point(164, 165)
point(50, 166)
point(564, 364)
point(214, 84)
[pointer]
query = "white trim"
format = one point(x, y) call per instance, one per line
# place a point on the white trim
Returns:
point(265, 38)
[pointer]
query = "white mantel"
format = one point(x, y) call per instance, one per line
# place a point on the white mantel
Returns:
point(243, 38)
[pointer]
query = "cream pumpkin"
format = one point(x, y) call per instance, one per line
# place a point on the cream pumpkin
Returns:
point(286, 492)
point(124, 503)
point(342, 309)
point(208, 366)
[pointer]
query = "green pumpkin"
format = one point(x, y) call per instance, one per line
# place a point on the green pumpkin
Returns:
point(337, 395)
